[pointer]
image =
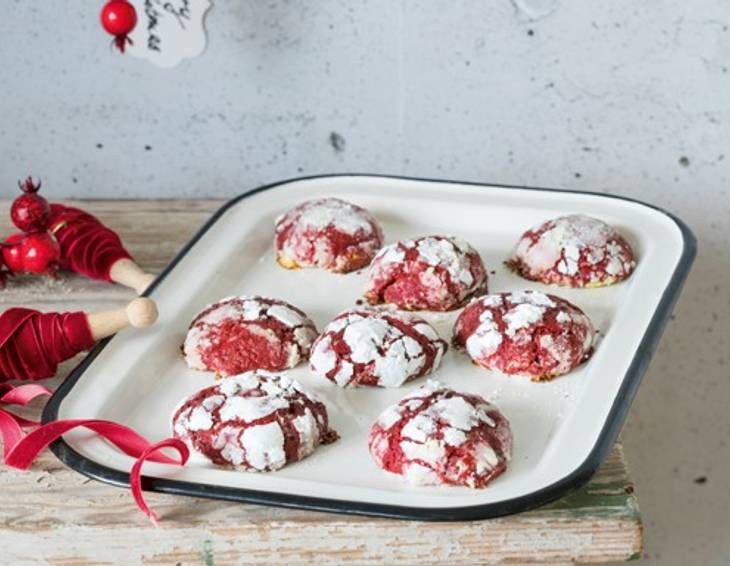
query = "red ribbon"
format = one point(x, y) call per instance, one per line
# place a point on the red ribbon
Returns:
point(20, 450)
point(32, 344)
point(87, 246)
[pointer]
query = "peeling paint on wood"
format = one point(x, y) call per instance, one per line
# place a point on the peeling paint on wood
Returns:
point(207, 553)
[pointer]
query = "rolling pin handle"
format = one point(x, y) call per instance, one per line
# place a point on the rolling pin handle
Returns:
point(140, 313)
point(127, 273)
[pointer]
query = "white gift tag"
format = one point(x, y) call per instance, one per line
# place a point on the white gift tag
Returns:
point(168, 31)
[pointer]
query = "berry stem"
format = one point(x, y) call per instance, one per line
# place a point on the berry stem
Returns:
point(28, 186)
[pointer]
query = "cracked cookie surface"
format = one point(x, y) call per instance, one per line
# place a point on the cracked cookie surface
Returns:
point(573, 251)
point(328, 233)
point(525, 333)
point(433, 273)
point(438, 436)
point(256, 421)
point(376, 346)
point(245, 333)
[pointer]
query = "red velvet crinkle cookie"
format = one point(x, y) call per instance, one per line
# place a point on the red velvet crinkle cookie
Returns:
point(241, 334)
point(574, 251)
point(328, 233)
point(525, 333)
point(376, 346)
point(436, 436)
point(256, 421)
point(436, 273)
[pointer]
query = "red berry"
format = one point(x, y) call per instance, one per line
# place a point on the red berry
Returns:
point(32, 253)
point(118, 17)
point(41, 253)
point(30, 212)
point(3, 272)
point(12, 253)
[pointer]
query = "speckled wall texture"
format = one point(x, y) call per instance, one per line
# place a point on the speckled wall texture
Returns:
point(625, 97)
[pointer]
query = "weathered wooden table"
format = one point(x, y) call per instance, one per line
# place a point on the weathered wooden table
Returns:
point(56, 516)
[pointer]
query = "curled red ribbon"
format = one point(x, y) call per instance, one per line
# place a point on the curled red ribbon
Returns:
point(20, 450)
point(11, 426)
point(153, 452)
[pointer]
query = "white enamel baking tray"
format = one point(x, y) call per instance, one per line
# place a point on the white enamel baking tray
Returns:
point(562, 430)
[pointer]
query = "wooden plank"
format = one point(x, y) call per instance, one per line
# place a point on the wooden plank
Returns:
point(57, 516)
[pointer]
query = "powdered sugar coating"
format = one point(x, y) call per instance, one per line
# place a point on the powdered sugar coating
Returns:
point(436, 273)
point(525, 333)
point(256, 421)
point(329, 233)
point(245, 333)
point(576, 251)
point(435, 435)
point(376, 346)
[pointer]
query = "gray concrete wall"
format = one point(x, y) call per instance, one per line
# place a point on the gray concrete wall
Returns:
point(623, 96)
point(573, 94)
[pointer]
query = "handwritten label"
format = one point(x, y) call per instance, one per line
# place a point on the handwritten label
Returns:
point(168, 31)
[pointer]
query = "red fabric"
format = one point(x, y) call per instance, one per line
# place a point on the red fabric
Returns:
point(87, 246)
point(32, 344)
point(20, 451)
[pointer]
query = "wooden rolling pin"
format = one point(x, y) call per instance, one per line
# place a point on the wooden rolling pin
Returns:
point(139, 313)
point(32, 343)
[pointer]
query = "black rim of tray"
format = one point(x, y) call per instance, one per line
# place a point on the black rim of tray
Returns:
point(540, 497)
